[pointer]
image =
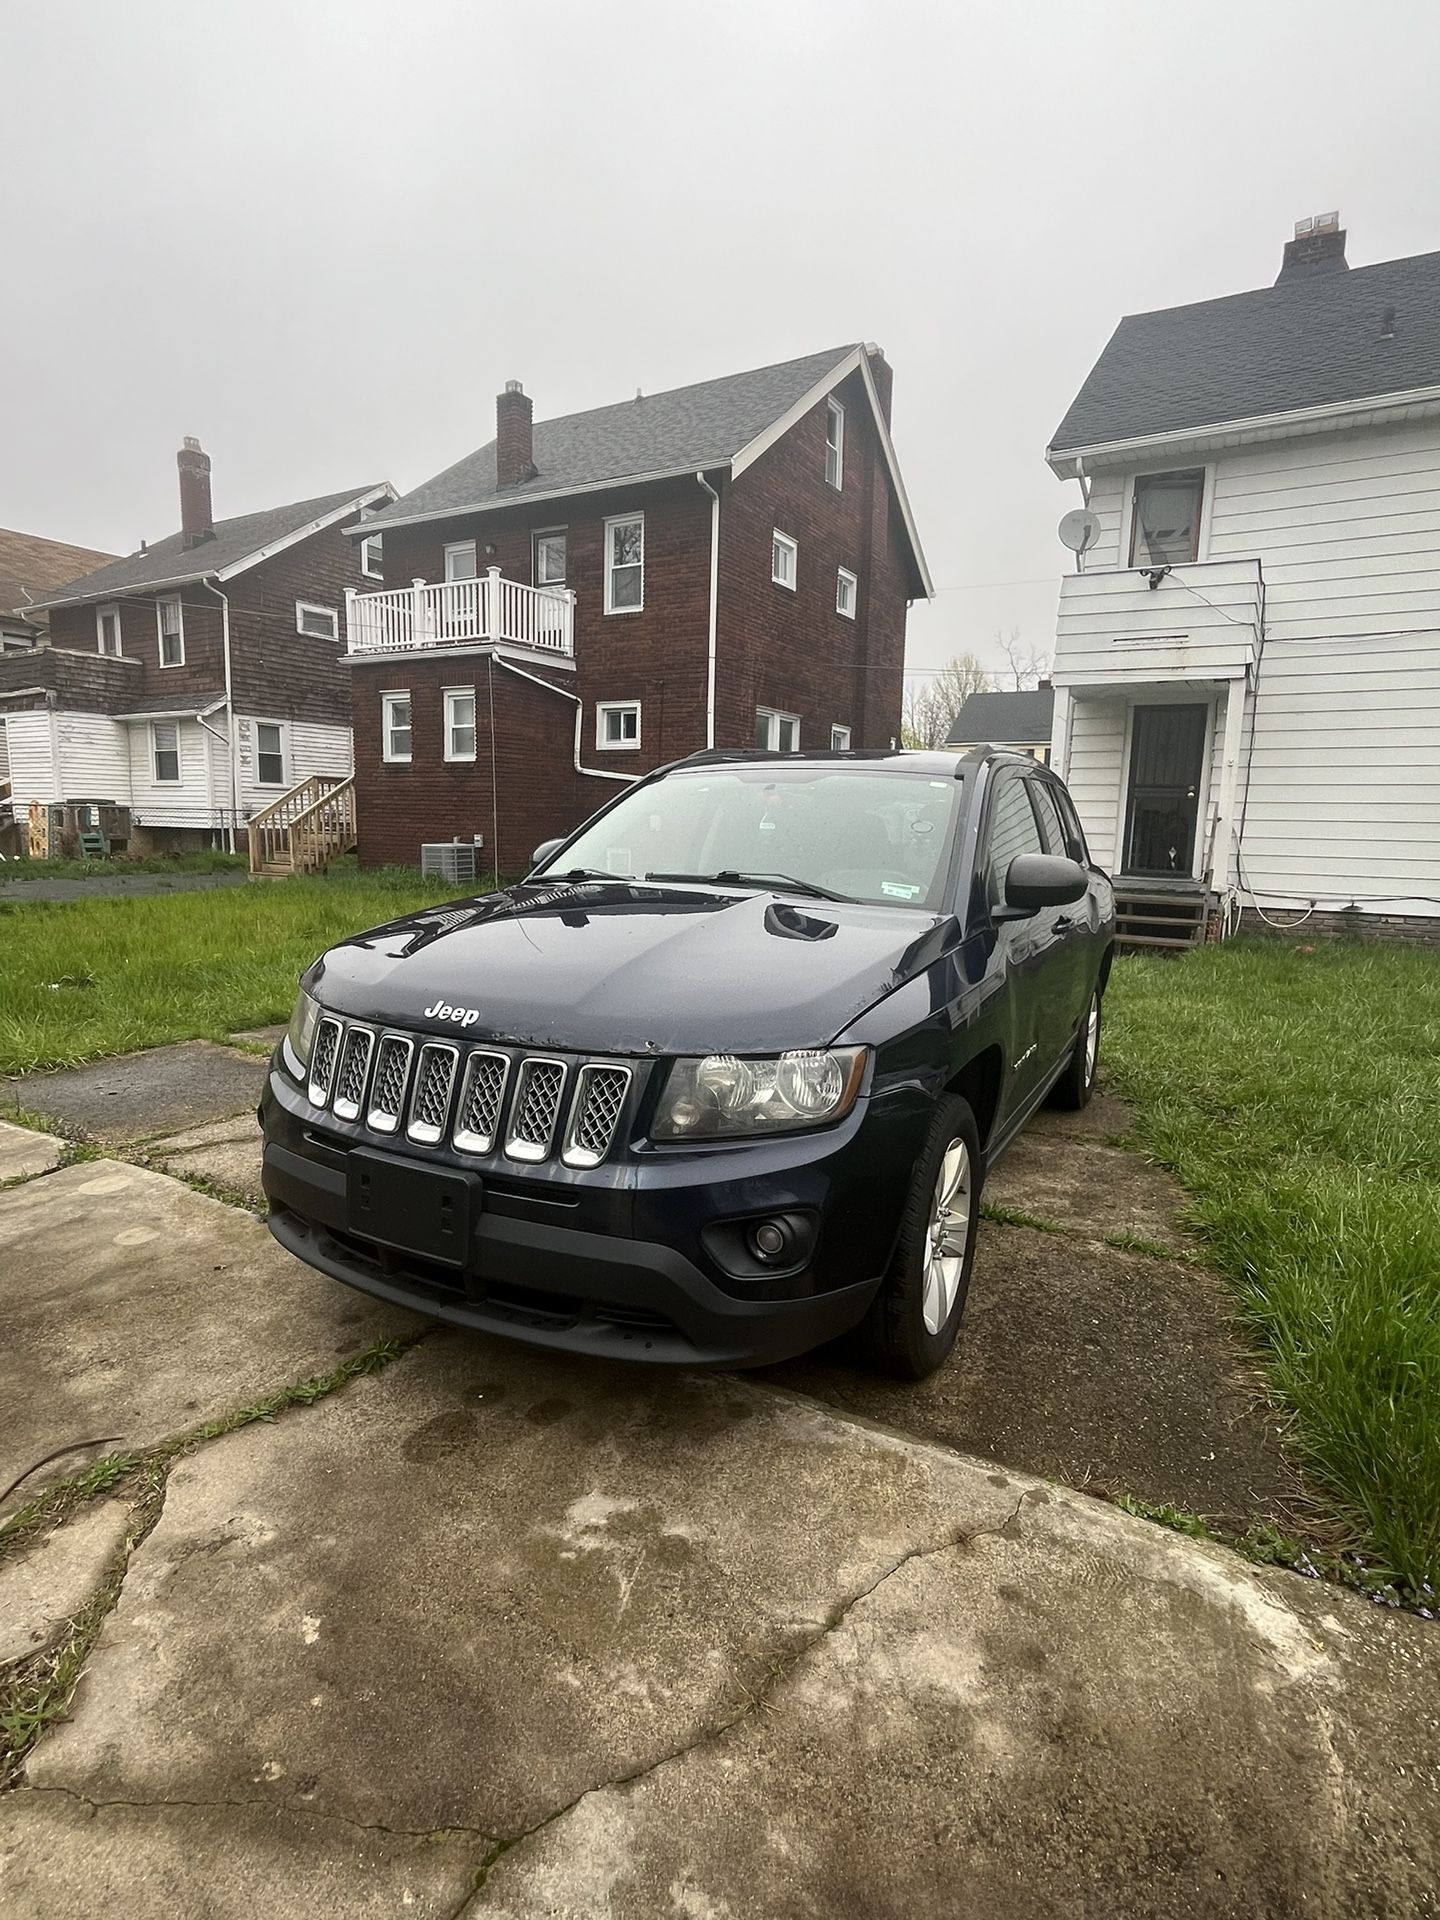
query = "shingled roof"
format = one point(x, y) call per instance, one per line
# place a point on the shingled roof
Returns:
point(1311, 340)
point(1004, 719)
point(31, 567)
point(238, 543)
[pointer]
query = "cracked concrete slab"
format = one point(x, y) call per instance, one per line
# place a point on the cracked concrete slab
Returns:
point(138, 1094)
point(49, 1578)
point(24, 1153)
point(702, 1649)
point(1091, 1189)
point(134, 1308)
point(227, 1153)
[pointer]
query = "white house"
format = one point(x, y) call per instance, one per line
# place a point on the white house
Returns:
point(1247, 661)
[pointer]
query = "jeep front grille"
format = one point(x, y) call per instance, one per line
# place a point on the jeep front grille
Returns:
point(599, 1096)
point(535, 1109)
point(354, 1072)
point(430, 1100)
point(322, 1060)
point(478, 1119)
point(387, 1095)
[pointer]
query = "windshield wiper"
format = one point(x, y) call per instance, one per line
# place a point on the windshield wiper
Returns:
point(732, 877)
point(585, 873)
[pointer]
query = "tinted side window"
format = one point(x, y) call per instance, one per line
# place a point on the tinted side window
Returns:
point(1012, 832)
point(1044, 799)
point(1074, 832)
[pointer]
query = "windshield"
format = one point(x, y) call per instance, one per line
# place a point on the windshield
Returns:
point(847, 832)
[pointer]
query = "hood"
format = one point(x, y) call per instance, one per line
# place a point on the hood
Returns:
point(611, 967)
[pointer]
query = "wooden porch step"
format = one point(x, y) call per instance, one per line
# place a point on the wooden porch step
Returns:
point(1156, 940)
point(1159, 919)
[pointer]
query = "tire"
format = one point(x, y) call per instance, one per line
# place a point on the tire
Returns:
point(1076, 1084)
point(913, 1321)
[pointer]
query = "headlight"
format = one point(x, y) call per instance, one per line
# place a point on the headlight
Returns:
point(300, 1035)
point(725, 1095)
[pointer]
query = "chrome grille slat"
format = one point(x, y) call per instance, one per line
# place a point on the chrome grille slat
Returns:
point(482, 1094)
point(387, 1090)
point(430, 1099)
point(353, 1072)
point(599, 1100)
point(536, 1108)
point(323, 1052)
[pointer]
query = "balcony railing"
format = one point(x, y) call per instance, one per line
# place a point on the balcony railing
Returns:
point(1197, 622)
point(461, 613)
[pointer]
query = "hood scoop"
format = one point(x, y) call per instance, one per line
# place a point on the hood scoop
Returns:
point(789, 923)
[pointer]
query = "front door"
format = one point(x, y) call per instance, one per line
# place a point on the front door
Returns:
point(1167, 764)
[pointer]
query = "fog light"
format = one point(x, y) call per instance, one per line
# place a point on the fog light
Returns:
point(768, 1240)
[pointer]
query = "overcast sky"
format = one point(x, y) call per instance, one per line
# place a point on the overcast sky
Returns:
point(321, 235)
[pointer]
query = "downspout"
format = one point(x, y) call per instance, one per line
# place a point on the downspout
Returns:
point(714, 608)
point(594, 773)
point(233, 739)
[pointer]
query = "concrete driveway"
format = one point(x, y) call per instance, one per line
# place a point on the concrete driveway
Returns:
point(486, 1632)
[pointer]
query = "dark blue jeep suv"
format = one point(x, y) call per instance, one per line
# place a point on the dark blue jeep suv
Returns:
point(721, 1079)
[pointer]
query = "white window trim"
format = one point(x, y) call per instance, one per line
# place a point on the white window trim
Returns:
point(371, 573)
point(101, 615)
point(447, 695)
point(172, 600)
point(537, 534)
point(388, 758)
point(1127, 511)
point(155, 777)
point(835, 418)
point(284, 733)
point(622, 520)
point(773, 716)
point(616, 746)
point(792, 546)
point(842, 574)
point(838, 745)
point(472, 547)
point(332, 614)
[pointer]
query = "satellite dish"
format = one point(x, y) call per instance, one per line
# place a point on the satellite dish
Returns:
point(1080, 529)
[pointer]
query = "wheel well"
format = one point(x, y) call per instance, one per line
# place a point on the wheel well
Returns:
point(978, 1081)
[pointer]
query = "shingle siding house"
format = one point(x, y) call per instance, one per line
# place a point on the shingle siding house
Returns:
point(586, 598)
point(31, 567)
point(1247, 665)
point(195, 681)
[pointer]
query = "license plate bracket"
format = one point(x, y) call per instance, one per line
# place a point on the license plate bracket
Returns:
point(426, 1211)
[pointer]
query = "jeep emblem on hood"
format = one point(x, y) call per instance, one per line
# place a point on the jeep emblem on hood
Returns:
point(462, 1016)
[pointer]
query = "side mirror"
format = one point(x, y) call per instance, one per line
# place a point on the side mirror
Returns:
point(1037, 880)
point(546, 850)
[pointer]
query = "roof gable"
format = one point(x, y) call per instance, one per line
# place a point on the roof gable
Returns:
point(30, 567)
point(1311, 340)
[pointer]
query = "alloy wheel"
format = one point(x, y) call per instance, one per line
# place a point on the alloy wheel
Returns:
point(1092, 1039)
point(946, 1236)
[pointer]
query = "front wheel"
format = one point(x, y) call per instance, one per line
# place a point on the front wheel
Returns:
point(912, 1324)
point(1076, 1084)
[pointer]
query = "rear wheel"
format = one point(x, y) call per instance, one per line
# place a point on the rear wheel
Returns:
point(1076, 1084)
point(915, 1317)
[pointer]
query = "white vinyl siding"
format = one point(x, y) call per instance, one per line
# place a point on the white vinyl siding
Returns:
point(309, 747)
point(1098, 732)
point(186, 802)
point(32, 761)
point(94, 760)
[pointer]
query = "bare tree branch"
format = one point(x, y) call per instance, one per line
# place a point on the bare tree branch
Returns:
point(931, 705)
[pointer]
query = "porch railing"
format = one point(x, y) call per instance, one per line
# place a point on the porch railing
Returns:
point(457, 613)
point(306, 828)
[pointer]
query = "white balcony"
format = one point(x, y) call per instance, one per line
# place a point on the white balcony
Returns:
point(1196, 623)
point(462, 613)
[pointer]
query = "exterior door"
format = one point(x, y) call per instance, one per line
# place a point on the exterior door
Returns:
point(1167, 766)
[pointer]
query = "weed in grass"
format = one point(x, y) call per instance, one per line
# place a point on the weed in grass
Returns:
point(1136, 1243)
point(1017, 1217)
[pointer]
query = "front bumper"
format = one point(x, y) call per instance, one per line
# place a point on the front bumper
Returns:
point(616, 1261)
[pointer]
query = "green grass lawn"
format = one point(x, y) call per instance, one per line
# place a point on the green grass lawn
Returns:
point(93, 977)
point(1297, 1096)
point(208, 861)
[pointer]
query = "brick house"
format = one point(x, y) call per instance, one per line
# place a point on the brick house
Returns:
point(584, 599)
point(187, 686)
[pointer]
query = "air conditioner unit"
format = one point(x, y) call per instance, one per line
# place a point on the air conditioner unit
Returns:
point(449, 860)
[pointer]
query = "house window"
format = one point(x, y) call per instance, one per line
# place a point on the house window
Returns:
point(269, 754)
point(834, 443)
point(107, 630)
point(1165, 526)
point(550, 558)
point(617, 723)
point(460, 560)
point(165, 749)
point(323, 623)
point(395, 728)
point(171, 623)
point(777, 732)
point(372, 556)
point(459, 724)
point(846, 588)
point(784, 559)
point(839, 739)
point(625, 564)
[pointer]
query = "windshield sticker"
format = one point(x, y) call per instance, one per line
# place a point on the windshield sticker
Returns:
point(897, 892)
point(619, 861)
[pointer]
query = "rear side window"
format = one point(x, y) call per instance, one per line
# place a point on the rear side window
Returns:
point(1013, 831)
point(1049, 814)
point(1074, 832)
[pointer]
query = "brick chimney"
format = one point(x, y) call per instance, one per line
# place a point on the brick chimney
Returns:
point(514, 436)
point(197, 516)
point(1318, 247)
point(882, 374)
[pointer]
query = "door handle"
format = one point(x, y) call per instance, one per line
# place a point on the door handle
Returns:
point(1063, 923)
